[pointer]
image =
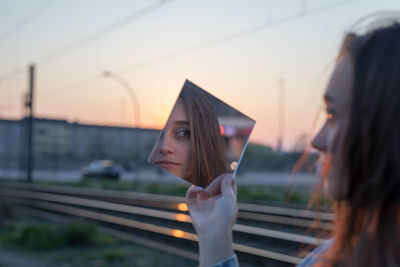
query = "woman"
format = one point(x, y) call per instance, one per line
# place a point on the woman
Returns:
point(191, 146)
point(360, 142)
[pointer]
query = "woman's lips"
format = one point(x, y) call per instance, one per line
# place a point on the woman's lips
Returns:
point(167, 164)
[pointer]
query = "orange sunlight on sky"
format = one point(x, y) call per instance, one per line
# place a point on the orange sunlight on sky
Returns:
point(236, 50)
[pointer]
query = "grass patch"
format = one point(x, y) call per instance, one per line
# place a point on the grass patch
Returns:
point(77, 245)
point(113, 255)
point(272, 194)
point(167, 189)
point(37, 237)
point(254, 194)
point(118, 255)
point(250, 194)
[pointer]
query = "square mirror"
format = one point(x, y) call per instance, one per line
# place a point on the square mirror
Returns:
point(202, 138)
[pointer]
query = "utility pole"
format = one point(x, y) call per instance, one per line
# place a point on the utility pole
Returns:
point(29, 106)
point(281, 115)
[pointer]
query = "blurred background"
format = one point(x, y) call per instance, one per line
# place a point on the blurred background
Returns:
point(86, 86)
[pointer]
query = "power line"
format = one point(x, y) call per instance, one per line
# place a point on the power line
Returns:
point(214, 42)
point(22, 23)
point(75, 86)
point(235, 35)
point(79, 43)
point(100, 33)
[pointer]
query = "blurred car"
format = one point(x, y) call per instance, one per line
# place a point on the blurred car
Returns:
point(101, 169)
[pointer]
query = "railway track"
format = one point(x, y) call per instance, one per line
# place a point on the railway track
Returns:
point(263, 234)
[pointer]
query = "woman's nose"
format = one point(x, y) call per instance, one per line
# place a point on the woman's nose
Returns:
point(166, 145)
point(319, 141)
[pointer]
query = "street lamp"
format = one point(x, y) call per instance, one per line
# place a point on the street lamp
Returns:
point(129, 89)
point(281, 119)
point(135, 106)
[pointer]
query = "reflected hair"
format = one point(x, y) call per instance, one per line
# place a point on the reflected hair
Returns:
point(208, 146)
point(367, 224)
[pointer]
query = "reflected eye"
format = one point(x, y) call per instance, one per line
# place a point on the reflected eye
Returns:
point(183, 132)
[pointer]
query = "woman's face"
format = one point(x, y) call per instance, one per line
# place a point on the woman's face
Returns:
point(174, 148)
point(329, 140)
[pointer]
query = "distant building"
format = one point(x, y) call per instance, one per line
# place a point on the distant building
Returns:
point(52, 137)
point(10, 143)
point(61, 144)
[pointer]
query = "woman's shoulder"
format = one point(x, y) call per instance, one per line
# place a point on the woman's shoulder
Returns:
point(308, 261)
point(312, 258)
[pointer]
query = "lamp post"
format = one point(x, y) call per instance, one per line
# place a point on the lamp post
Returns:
point(136, 110)
point(131, 92)
point(281, 118)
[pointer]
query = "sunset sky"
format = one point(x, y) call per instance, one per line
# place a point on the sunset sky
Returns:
point(236, 50)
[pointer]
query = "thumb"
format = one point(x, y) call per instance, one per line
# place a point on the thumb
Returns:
point(202, 195)
point(227, 185)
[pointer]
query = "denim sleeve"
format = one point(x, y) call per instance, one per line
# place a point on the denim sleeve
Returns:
point(228, 262)
point(312, 258)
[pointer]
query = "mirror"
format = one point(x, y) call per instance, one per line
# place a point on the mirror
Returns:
point(203, 137)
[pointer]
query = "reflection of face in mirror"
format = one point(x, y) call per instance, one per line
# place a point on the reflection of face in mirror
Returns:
point(197, 141)
point(174, 148)
point(191, 145)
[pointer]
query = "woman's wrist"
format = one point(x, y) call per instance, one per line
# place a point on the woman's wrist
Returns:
point(214, 246)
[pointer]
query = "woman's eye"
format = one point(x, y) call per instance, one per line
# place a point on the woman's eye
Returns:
point(183, 133)
point(330, 117)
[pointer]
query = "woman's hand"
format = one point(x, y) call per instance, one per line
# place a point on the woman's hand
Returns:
point(214, 207)
point(213, 211)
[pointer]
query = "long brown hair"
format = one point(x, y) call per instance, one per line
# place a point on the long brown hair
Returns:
point(208, 146)
point(367, 227)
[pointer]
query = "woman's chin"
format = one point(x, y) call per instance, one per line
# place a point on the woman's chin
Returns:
point(334, 187)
